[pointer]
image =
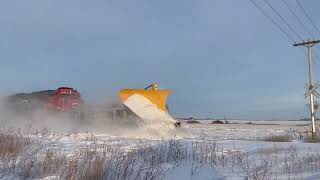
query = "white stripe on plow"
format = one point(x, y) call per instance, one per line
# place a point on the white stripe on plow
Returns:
point(147, 111)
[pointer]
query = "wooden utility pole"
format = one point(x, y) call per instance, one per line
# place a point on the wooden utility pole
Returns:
point(311, 87)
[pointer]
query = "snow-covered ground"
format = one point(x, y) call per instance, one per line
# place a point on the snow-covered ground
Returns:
point(195, 151)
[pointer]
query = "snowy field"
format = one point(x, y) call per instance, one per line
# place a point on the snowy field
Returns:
point(260, 150)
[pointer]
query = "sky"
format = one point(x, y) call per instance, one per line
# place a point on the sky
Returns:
point(219, 57)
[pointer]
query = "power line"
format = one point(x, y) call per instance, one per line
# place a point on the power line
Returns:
point(317, 57)
point(283, 20)
point(317, 60)
point(281, 29)
point(309, 18)
point(273, 21)
point(299, 20)
point(303, 25)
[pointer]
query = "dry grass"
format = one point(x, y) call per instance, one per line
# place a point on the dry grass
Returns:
point(23, 158)
point(11, 144)
point(307, 138)
point(279, 138)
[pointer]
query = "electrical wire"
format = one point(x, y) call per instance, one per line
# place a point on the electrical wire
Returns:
point(302, 24)
point(307, 15)
point(283, 20)
point(297, 17)
point(317, 61)
point(288, 36)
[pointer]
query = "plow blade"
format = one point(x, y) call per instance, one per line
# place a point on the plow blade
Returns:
point(149, 105)
point(156, 97)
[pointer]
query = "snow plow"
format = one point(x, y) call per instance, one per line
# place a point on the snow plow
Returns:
point(149, 104)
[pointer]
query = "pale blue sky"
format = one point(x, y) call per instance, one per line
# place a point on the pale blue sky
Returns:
point(218, 56)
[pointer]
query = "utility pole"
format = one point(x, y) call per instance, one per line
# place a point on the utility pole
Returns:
point(311, 86)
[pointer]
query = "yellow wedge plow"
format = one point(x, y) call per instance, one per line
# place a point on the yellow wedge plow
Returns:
point(153, 97)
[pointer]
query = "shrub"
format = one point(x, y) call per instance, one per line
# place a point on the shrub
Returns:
point(217, 122)
point(279, 138)
point(308, 138)
point(193, 122)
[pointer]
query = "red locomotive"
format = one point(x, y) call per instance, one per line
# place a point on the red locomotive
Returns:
point(64, 99)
